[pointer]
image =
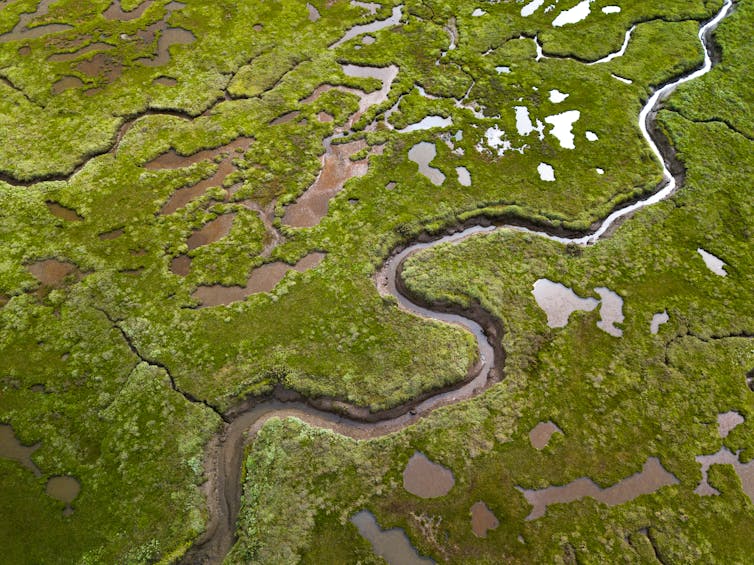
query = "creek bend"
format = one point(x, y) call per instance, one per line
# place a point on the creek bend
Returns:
point(225, 451)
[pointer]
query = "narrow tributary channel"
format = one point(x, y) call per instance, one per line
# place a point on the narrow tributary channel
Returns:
point(225, 452)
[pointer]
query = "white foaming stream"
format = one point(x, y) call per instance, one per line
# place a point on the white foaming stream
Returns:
point(659, 95)
point(620, 52)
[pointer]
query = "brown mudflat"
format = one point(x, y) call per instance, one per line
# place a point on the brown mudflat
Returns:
point(64, 57)
point(181, 265)
point(212, 231)
point(172, 160)
point(22, 31)
point(285, 118)
point(166, 81)
point(51, 272)
point(60, 211)
point(115, 11)
point(66, 83)
point(110, 235)
point(169, 37)
point(337, 169)
point(101, 65)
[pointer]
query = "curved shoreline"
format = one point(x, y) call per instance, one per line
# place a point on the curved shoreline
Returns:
point(223, 463)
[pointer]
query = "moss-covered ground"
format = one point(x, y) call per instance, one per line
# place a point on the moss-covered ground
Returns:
point(121, 377)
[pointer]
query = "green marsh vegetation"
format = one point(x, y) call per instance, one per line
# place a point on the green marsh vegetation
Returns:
point(126, 360)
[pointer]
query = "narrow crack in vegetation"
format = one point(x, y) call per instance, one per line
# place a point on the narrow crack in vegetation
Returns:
point(722, 121)
point(155, 363)
point(655, 548)
point(7, 82)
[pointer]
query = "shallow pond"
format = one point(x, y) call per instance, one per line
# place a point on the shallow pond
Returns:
point(745, 472)
point(11, 448)
point(611, 311)
point(541, 434)
point(428, 122)
point(262, 279)
point(425, 478)
point(60, 211)
point(713, 263)
point(727, 422)
point(392, 545)
point(65, 489)
point(212, 231)
point(657, 320)
point(482, 520)
point(546, 172)
point(531, 7)
point(524, 125)
point(573, 15)
point(313, 12)
point(562, 127)
point(394, 19)
point(559, 302)
point(386, 75)
point(422, 154)
point(464, 176)
point(652, 477)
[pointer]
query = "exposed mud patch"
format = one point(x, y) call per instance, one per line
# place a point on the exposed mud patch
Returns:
point(60, 211)
point(66, 83)
point(52, 272)
point(181, 265)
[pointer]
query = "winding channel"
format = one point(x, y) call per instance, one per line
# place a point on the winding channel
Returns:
point(225, 452)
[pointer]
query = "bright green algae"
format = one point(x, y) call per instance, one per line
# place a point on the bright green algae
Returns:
point(110, 414)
